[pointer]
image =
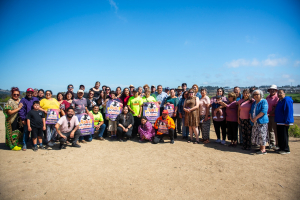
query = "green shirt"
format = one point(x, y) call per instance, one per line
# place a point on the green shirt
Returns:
point(149, 99)
point(97, 117)
point(172, 101)
point(135, 104)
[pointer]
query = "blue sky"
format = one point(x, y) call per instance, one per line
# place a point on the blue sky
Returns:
point(49, 44)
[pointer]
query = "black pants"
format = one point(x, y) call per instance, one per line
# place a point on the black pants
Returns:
point(179, 121)
point(106, 124)
point(232, 130)
point(283, 137)
point(217, 126)
point(121, 134)
point(175, 133)
point(157, 138)
point(137, 122)
point(76, 137)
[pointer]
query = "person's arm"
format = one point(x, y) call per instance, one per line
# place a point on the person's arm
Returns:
point(207, 111)
point(239, 110)
point(86, 110)
point(28, 125)
point(288, 113)
point(73, 131)
point(197, 104)
point(22, 112)
point(57, 127)
point(132, 120)
point(62, 112)
point(44, 123)
point(10, 112)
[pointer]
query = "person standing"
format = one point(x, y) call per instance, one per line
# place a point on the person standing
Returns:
point(237, 92)
point(71, 88)
point(91, 101)
point(167, 90)
point(272, 100)
point(284, 118)
point(204, 104)
point(184, 87)
point(134, 104)
point(131, 89)
point(13, 123)
point(153, 90)
point(172, 99)
point(41, 94)
point(27, 102)
point(196, 90)
point(185, 129)
point(178, 118)
point(259, 121)
point(161, 97)
point(118, 92)
point(96, 90)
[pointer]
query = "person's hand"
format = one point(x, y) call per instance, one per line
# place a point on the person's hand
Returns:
point(168, 125)
point(63, 136)
point(133, 112)
point(239, 121)
point(44, 128)
point(174, 114)
point(139, 116)
point(254, 119)
point(72, 134)
point(168, 103)
point(180, 115)
point(23, 122)
point(126, 130)
point(45, 111)
point(29, 128)
point(159, 102)
point(20, 105)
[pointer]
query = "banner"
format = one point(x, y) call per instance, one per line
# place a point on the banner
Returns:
point(162, 127)
point(52, 116)
point(86, 123)
point(170, 108)
point(151, 111)
point(113, 109)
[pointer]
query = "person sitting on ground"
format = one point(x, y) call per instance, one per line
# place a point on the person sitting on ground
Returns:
point(125, 124)
point(164, 126)
point(218, 108)
point(67, 127)
point(36, 125)
point(146, 130)
point(99, 125)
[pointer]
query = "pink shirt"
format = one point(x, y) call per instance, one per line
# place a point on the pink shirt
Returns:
point(231, 112)
point(203, 105)
point(272, 102)
point(64, 125)
point(244, 109)
point(214, 100)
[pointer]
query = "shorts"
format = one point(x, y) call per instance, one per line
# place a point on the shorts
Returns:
point(36, 132)
point(112, 125)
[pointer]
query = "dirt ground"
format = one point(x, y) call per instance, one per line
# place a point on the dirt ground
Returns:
point(114, 170)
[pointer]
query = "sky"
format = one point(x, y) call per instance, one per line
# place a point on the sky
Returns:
point(49, 44)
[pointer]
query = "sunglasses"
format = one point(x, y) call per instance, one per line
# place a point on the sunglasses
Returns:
point(16, 95)
point(69, 124)
point(255, 94)
point(107, 89)
point(71, 87)
point(191, 92)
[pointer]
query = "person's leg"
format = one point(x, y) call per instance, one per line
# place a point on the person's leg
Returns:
point(49, 135)
point(119, 133)
point(223, 128)
point(191, 132)
point(54, 132)
point(88, 138)
point(229, 132)
point(205, 130)
point(76, 136)
point(128, 134)
point(171, 135)
point(135, 126)
point(240, 134)
point(101, 130)
point(248, 133)
point(179, 122)
point(215, 114)
point(235, 129)
point(217, 126)
point(183, 128)
point(175, 134)
point(157, 138)
point(275, 131)
point(286, 147)
point(271, 134)
point(195, 129)
point(106, 125)
point(25, 137)
point(280, 136)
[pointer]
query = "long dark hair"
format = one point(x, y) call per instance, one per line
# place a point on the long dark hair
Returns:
point(69, 92)
point(184, 93)
point(61, 95)
point(100, 99)
point(123, 93)
point(220, 88)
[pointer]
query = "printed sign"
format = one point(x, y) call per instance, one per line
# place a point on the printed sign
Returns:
point(86, 123)
point(170, 109)
point(52, 116)
point(151, 111)
point(162, 127)
point(113, 109)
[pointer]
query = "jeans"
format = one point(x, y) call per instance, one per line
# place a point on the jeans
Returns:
point(157, 138)
point(89, 138)
point(51, 132)
point(25, 135)
point(185, 129)
point(121, 134)
point(76, 136)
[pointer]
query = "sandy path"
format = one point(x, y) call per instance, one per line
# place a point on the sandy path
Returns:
point(114, 170)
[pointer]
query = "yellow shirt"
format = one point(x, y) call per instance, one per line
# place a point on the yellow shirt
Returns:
point(49, 104)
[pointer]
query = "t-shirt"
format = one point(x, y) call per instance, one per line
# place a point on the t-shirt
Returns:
point(245, 107)
point(36, 118)
point(125, 99)
point(203, 102)
point(65, 105)
point(272, 102)
point(79, 105)
point(134, 104)
point(149, 99)
point(173, 101)
point(231, 112)
point(96, 93)
point(64, 125)
point(161, 97)
point(91, 103)
point(47, 104)
point(97, 117)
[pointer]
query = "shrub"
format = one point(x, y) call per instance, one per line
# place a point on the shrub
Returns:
point(294, 131)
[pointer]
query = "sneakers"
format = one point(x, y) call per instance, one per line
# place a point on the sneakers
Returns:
point(284, 152)
point(162, 141)
point(24, 148)
point(223, 142)
point(51, 144)
point(275, 148)
point(221, 117)
point(218, 141)
point(215, 117)
point(34, 148)
point(172, 142)
point(82, 141)
point(41, 147)
point(76, 145)
point(261, 153)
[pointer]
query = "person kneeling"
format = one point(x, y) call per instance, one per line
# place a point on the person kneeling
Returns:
point(68, 127)
point(164, 125)
point(146, 130)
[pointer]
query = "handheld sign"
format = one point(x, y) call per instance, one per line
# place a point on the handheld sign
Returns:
point(52, 116)
point(162, 127)
point(113, 109)
point(170, 109)
point(86, 123)
point(151, 111)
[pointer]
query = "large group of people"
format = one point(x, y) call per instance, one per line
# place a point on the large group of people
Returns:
point(243, 117)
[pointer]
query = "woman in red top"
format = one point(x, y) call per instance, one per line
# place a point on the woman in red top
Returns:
point(66, 103)
point(125, 96)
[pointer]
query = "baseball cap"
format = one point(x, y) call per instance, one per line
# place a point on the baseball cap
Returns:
point(165, 112)
point(167, 88)
point(29, 90)
point(152, 86)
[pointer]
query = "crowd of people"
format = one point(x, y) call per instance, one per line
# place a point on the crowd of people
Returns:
point(244, 117)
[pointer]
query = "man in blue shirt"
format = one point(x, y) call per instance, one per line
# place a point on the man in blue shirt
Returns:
point(161, 97)
point(237, 92)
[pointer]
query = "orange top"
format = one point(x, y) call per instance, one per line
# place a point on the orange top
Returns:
point(168, 119)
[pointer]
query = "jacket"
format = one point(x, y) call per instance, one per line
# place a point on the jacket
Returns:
point(262, 106)
point(27, 106)
point(180, 106)
point(129, 120)
point(169, 120)
point(284, 111)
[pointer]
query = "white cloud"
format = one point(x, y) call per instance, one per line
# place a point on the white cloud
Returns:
point(238, 63)
point(285, 76)
point(273, 62)
point(255, 62)
point(114, 5)
point(291, 80)
point(297, 63)
point(250, 39)
point(270, 61)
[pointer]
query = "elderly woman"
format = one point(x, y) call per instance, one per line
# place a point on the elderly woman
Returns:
point(231, 118)
point(204, 104)
point(125, 124)
point(185, 129)
point(244, 106)
point(96, 90)
point(192, 120)
point(45, 105)
point(146, 130)
point(284, 117)
point(13, 124)
point(220, 121)
point(259, 121)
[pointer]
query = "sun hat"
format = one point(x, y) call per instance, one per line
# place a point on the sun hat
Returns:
point(273, 87)
point(130, 86)
point(80, 91)
point(179, 88)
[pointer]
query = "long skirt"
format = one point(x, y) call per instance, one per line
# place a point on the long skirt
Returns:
point(204, 127)
point(260, 134)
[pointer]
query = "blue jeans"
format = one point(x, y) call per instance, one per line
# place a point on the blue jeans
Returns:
point(25, 135)
point(89, 138)
point(185, 129)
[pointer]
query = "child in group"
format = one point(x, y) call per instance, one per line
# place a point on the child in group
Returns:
point(217, 107)
point(112, 125)
point(36, 125)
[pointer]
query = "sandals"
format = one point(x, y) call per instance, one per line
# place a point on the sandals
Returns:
point(189, 141)
point(196, 142)
point(205, 141)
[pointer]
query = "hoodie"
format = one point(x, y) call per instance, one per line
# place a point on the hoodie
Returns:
point(27, 106)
